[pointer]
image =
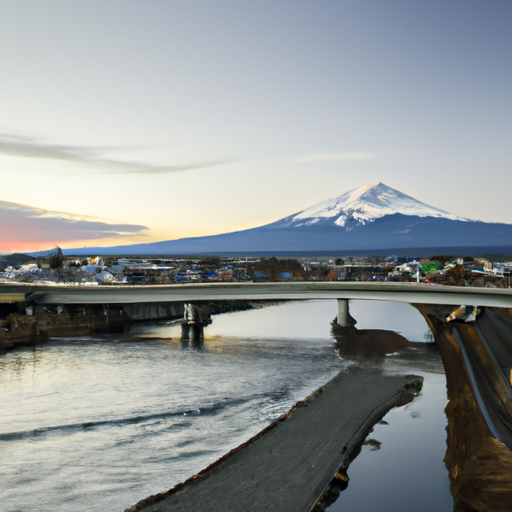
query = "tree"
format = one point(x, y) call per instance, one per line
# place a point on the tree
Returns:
point(57, 259)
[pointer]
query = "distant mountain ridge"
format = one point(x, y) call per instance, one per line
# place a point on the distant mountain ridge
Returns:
point(372, 217)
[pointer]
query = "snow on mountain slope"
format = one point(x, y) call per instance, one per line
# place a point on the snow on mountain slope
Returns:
point(364, 205)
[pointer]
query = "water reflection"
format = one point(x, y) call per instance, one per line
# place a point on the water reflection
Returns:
point(479, 466)
point(400, 467)
point(197, 344)
point(388, 462)
point(351, 343)
point(300, 320)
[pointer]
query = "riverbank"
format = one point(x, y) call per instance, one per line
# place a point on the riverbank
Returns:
point(479, 465)
point(289, 464)
point(20, 326)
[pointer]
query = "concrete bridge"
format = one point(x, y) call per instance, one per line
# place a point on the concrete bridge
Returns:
point(125, 294)
point(341, 290)
point(494, 334)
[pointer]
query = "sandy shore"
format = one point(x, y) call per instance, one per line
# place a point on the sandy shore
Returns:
point(289, 464)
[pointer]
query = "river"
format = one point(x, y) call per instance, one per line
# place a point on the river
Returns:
point(96, 424)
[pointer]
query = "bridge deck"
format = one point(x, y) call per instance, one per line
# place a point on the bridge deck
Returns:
point(397, 292)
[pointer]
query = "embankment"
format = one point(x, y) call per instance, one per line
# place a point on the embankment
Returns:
point(288, 465)
point(479, 465)
point(19, 328)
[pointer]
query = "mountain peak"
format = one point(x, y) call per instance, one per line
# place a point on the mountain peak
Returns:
point(363, 205)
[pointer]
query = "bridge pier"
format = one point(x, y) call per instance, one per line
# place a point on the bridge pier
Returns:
point(344, 318)
point(192, 325)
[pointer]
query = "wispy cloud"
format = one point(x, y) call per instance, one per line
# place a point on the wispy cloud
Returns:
point(29, 147)
point(324, 157)
point(21, 225)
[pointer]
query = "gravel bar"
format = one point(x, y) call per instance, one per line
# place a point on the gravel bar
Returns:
point(290, 463)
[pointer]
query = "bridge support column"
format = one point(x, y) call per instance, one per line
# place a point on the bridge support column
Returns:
point(344, 318)
point(192, 325)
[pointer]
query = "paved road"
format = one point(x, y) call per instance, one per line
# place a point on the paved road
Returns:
point(398, 292)
point(497, 333)
point(487, 352)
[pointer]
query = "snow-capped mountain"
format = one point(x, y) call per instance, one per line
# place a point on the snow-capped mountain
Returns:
point(374, 217)
point(362, 205)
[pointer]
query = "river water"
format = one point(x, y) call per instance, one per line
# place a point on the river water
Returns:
point(96, 424)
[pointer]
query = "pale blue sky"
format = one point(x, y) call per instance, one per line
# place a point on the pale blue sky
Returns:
point(264, 108)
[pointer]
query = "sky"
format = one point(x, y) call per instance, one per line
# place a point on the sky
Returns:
point(127, 121)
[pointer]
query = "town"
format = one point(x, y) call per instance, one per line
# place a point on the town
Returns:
point(450, 270)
